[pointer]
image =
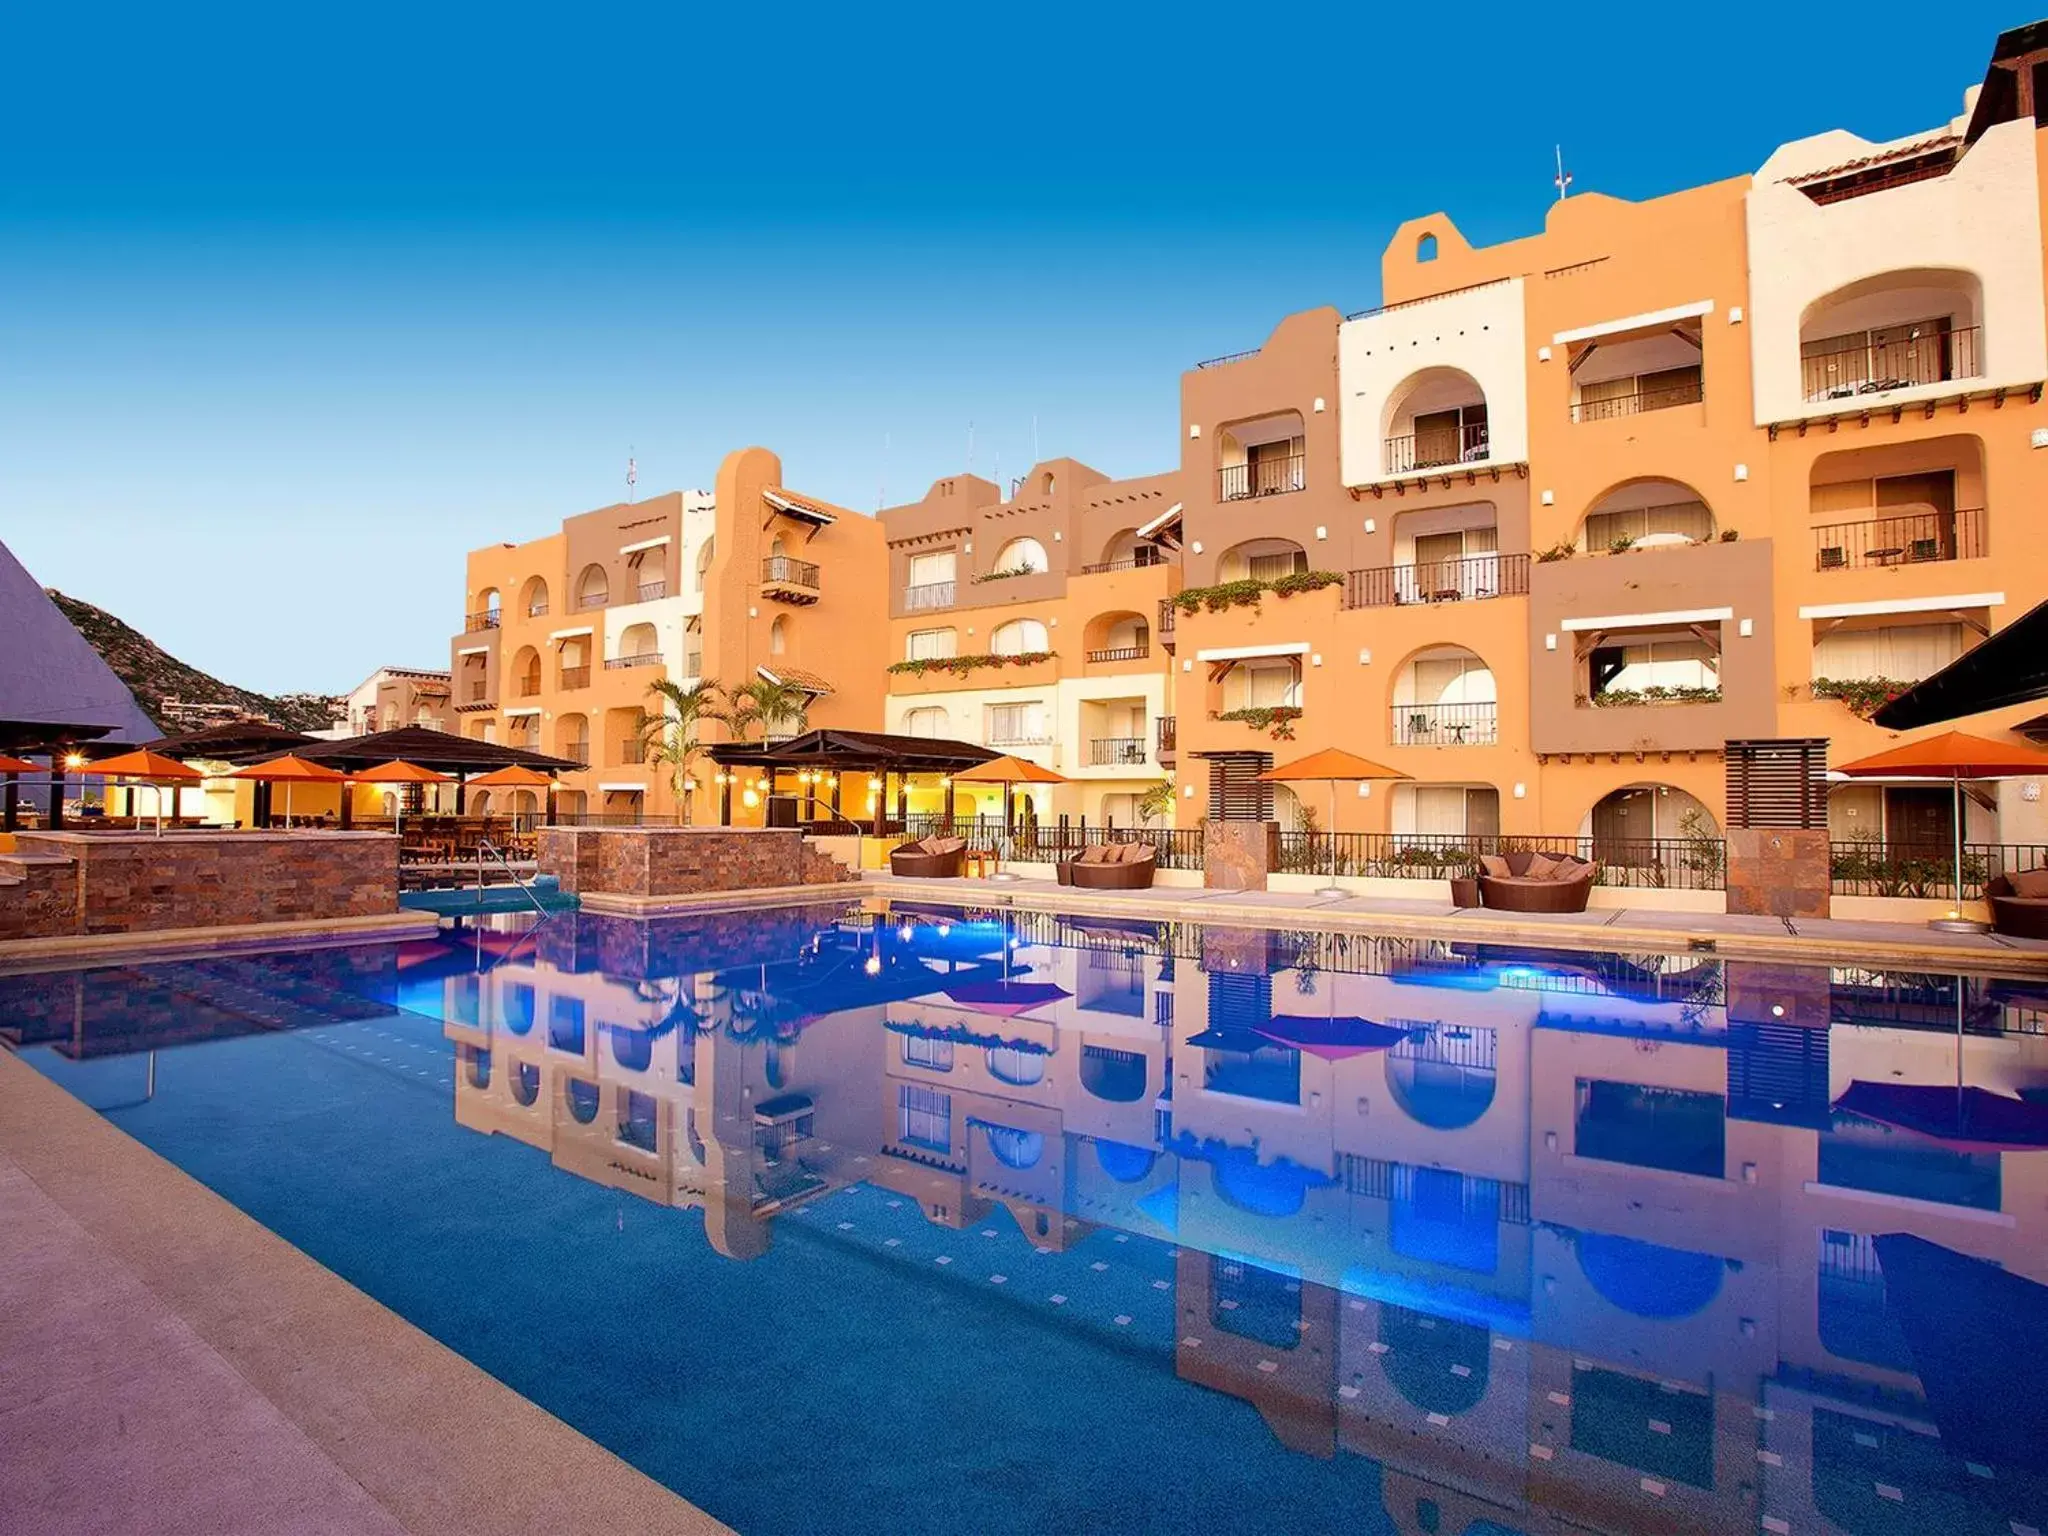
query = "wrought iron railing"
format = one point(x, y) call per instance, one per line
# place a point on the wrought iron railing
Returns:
point(575, 677)
point(475, 622)
point(478, 692)
point(788, 572)
point(1046, 842)
point(1926, 354)
point(1261, 477)
point(644, 659)
point(649, 591)
point(1143, 559)
point(1904, 538)
point(1689, 391)
point(1669, 863)
point(1117, 752)
point(1121, 653)
point(1434, 450)
point(1437, 581)
point(929, 594)
point(632, 753)
point(585, 601)
point(536, 610)
point(1871, 866)
point(529, 685)
point(1167, 613)
point(1444, 725)
point(1169, 736)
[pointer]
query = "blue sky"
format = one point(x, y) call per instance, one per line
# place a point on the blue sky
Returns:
point(298, 306)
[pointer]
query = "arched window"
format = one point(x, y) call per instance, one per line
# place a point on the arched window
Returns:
point(534, 598)
point(1261, 560)
point(930, 721)
point(1050, 483)
point(1425, 248)
point(639, 646)
point(489, 602)
point(704, 558)
point(1435, 417)
point(778, 635)
point(1021, 557)
point(1020, 637)
point(593, 587)
point(582, 1099)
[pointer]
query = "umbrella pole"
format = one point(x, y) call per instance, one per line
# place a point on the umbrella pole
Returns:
point(1958, 829)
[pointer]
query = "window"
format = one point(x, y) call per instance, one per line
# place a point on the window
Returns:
point(930, 721)
point(1022, 555)
point(704, 557)
point(778, 637)
point(932, 644)
point(932, 1055)
point(1020, 637)
point(1648, 1127)
point(924, 1118)
point(1672, 523)
point(1425, 248)
point(1010, 724)
point(1271, 683)
point(1661, 663)
point(930, 570)
point(1904, 652)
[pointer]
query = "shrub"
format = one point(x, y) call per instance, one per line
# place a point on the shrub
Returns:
point(1277, 720)
point(960, 666)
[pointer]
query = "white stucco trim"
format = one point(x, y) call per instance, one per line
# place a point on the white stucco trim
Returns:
point(1693, 311)
point(474, 650)
point(570, 634)
point(524, 709)
point(622, 789)
point(800, 509)
point(634, 549)
point(1250, 652)
point(1901, 605)
point(1159, 522)
point(1647, 620)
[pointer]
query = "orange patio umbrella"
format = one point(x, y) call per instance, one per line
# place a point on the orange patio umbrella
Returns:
point(513, 776)
point(1335, 766)
point(147, 767)
point(1008, 772)
point(18, 765)
point(398, 771)
point(289, 770)
point(1954, 756)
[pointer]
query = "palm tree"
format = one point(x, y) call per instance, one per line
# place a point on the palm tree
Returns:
point(670, 736)
point(768, 705)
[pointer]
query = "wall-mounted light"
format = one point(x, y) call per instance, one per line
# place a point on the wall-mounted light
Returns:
point(1746, 628)
point(1371, 526)
point(1742, 472)
point(1543, 354)
point(1187, 666)
point(1196, 546)
point(1057, 535)
point(1735, 314)
point(1188, 793)
point(1316, 660)
point(1194, 430)
point(1364, 657)
point(1550, 642)
point(1322, 532)
point(1521, 791)
point(1318, 406)
point(1549, 498)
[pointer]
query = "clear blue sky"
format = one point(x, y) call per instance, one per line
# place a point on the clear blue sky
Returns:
point(298, 305)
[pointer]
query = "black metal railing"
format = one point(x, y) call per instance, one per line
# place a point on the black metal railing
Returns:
point(643, 659)
point(1444, 725)
point(1139, 561)
point(1228, 357)
point(1438, 581)
point(529, 685)
point(1433, 450)
point(1871, 866)
point(536, 610)
point(649, 591)
point(1167, 613)
point(1045, 842)
point(929, 594)
point(790, 572)
point(1005, 739)
point(575, 677)
point(631, 754)
point(1121, 653)
point(1658, 397)
point(1262, 477)
point(1905, 538)
point(474, 622)
point(1886, 359)
point(585, 601)
point(1168, 736)
point(1117, 752)
point(1667, 863)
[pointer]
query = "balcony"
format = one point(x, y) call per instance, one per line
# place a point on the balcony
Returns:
point(788, 580)
point(1117, 752)
point(1273, 476)
point(632, 753)
point(1167, 613)
point(590, 600)
point(1444, 725)
point(1168, 749)
point(478, 693)
point(1470, 579)
point(650, 591)
point(577, 752)
point(1655, 393)
point(1019, 741)
point(1911, 538)
point(574, 677)
point(536, 610)
point(1466, 444)
point(529, 686)
point(475, 623)
point(930, 594)
point(644, 659)
point(1120, 653)
point(1894, 357)
point(1141, 560)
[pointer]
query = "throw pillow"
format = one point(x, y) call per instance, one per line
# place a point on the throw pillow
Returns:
point(2030, 883)
point(1542, 866)
point(1494, 866)
point(1096, 853)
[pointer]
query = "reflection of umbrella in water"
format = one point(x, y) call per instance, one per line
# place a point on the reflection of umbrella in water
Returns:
point(1972, 1119)
point(1005, 997)
point(1333, 1037)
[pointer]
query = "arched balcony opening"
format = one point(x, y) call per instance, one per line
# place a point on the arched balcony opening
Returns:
point(486, 611)
point(526, 672)
point(593, 587)
point(1120, 636)
point(526, 1084)
point(1444, 697)
point(1422, 1353)
point(1020, 637)
point(1124, 552)
point(1020, 1069)
point(1118, 1077)
point(1646, 1280)
point(1435, 418)
point(1897, 330)
point(704, 559)
point(1646, 514)
point(572, 738)
point(1020, 557)
point(1447, 1079)
point(637, 1120)
point(533, 598)
point(1123, 1162)
point(582, 1099)
point(1445, 554)
point(1262, 457)
point(639, 646)
point(476, 1061)
point(1648, 826)
point(1899, 505)
point(1261, 560)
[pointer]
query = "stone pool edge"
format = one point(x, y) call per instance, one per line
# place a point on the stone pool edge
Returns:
point(395, 1410)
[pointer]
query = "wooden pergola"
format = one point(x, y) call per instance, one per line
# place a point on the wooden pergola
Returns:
point(822, 761)
point(461, 757)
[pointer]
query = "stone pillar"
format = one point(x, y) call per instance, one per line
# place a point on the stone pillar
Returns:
point(1238, 855)
point(1778, 872)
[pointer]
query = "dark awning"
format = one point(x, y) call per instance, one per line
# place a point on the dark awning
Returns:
point(234, 741)
point(853, 752)
point(2011, 667)
point(440, 750)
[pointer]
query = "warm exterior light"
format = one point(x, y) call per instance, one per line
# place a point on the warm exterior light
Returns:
point(750, 799)
point(875, 785)
point(945, 930)
point(74, 760)
point(873, 965)
point(906, 933)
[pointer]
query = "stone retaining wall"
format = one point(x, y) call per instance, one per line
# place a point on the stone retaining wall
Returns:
point(681, 861)
point(58, 884)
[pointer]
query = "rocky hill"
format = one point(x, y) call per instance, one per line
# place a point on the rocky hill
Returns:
point(153, 675)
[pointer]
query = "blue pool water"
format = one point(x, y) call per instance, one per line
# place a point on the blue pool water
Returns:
point(845, 1218)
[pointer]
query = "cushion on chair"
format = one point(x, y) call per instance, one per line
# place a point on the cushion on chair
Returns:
point(2029, 883)
point(1542, 866)
point(1098, 853)
point(1493, 865)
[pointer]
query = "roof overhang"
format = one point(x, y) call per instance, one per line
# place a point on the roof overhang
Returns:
point(1901, 605)
point(570, 634)
point(1161, 523)
point(1654, 318)
point(1252, 652)
point(1671, 616)
point(644, 544)
point(782, 502)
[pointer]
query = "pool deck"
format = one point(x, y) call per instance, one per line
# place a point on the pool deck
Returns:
point(1838, 941)
point(169, 1365)
point(70, 950)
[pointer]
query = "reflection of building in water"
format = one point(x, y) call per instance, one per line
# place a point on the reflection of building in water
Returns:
point(1567, 1242)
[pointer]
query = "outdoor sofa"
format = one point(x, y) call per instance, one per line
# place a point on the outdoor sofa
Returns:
point(1110, 867)
point(934, 857)
point(1535, 882)
point(2019, 904)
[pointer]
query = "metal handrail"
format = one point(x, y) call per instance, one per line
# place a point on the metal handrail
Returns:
point(484, 846)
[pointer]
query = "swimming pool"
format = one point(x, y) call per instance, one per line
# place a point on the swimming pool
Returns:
point(857, 1217)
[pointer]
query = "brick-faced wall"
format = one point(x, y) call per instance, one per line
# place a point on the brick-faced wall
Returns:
point(133, 883)
point(675, 861)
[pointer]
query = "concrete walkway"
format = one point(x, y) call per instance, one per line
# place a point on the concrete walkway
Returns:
point(1814, 940)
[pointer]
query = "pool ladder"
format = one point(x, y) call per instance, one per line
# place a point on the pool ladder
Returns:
point(484, 846)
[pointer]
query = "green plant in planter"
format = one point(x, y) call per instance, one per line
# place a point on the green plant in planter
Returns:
point(1675, 693)
point(1865, 696)
point(1622, 544)
point(1558, 551)
point(960, 666)
point(1277, 720)
point(1004, 575)
point(1248, 593)
point(1730, 535)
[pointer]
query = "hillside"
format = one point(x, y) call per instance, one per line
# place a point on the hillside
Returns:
point(153, 675)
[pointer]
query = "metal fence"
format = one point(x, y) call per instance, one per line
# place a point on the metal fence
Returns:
point(1047, 842)
point(1663, 863)
point(1871, 867)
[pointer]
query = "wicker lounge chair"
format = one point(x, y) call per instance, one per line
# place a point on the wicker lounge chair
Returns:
point(1535, 882)
point(1110, 867)
point(934, 858)
point(2019, 904)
